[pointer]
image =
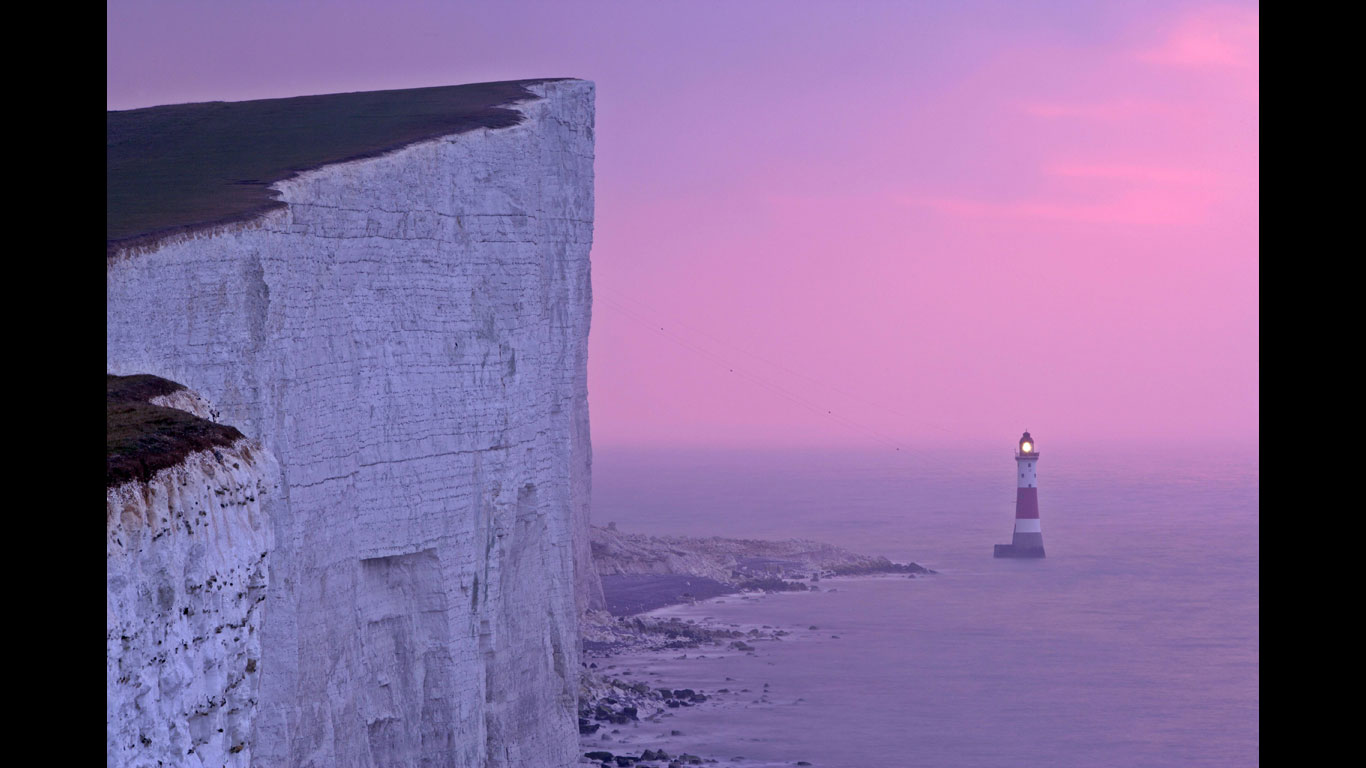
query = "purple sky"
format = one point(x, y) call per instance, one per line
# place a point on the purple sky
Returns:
point(925, 222)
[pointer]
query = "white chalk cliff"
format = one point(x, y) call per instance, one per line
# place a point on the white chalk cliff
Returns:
point(186, 573)
point(408, 336)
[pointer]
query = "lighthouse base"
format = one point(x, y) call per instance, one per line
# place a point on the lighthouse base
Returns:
point(1010, 550)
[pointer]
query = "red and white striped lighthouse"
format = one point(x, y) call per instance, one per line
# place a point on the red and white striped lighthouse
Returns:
point(1028, 540)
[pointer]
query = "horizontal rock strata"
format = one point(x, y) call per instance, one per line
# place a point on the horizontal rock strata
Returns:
point(408, 336)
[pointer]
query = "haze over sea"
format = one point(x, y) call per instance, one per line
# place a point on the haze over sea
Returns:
point(1135, 643)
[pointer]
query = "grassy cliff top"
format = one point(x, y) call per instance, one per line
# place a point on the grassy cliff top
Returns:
point(141, 438)
point(184, 167)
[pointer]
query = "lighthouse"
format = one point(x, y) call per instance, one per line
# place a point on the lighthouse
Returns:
point(1028, 540)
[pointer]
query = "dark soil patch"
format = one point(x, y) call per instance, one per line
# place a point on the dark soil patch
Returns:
point(141, 438)
point(185, 167)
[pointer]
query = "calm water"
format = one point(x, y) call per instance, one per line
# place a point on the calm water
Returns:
point(1135, 643)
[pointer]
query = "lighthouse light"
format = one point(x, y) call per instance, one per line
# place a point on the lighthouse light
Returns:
point(1025, 447)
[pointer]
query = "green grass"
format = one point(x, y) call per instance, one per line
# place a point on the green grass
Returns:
point(141, 438)
point(184, 167)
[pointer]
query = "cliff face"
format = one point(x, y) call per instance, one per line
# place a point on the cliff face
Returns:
point(186, 573)
point(408, 336)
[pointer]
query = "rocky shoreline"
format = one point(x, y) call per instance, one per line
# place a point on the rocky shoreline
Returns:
point(640, 573)
point(643, 573)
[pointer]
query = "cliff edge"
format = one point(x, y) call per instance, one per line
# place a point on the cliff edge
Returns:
point(188, 539)
point(185, 168)
point(406, 332)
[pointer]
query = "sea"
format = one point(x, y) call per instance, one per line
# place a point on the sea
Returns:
point(1133, 643)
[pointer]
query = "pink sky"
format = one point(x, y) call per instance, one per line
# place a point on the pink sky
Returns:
point(917, 222)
